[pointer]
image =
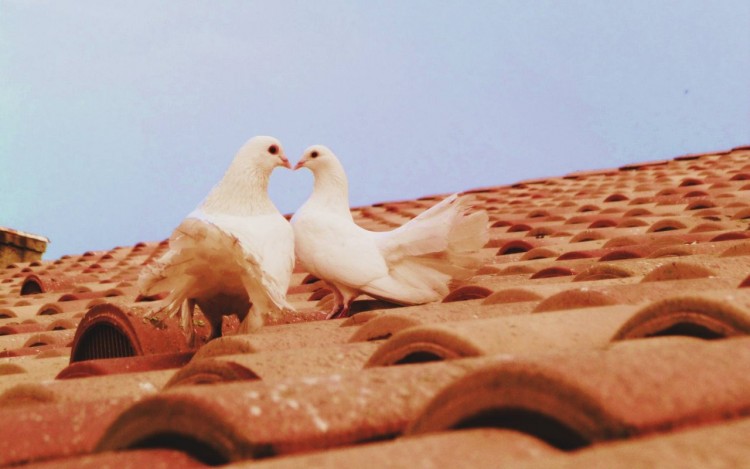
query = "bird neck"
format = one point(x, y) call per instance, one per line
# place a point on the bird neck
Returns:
point(242, 192)
point(331, 189)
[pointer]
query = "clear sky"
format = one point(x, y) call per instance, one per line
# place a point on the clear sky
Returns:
point(117, 118)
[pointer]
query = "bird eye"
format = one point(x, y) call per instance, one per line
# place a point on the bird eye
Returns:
point(314, 154)
point(273, 149)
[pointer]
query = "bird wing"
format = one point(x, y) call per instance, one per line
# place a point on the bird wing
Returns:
point(266, 243)
point(336, 249)
point(207, 249)
point(424, 234)
point(197, 250)
point(424, 254)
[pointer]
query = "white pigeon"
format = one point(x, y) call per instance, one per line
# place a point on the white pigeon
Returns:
point(233, 251)
point(412, 264)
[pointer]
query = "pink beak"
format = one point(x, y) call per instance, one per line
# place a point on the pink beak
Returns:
point(285, 162)
point(299, 164)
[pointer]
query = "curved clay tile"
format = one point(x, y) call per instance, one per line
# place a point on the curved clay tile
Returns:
point(742, 214)
point(637, 212)
point(691, 181)
point(575, 298)
point(550, 272)
point(632, 222)
point(741, 248)
point(90, 389)
point(612, 210)
point(539, 253)
point(62, 323)
point(34, 283)
point(248, 420)
point(385, 325)
point(671, 251)
point(10, 329)
point(276, 365)
point(539, 213)
point(63, 307)
point(518, 228)
point(677, 270)
point(512, 295)
point(112, 330)
point(475, 448)
point(110, 366)
point(700, 204)
point(489, 270)
point(33, 369)
point(588, 208)
point(505, 335)
point(603, 223)
point(718, 445)
point(60, 338)
point(500, 223)
point(15, 341)
point(42, 351)
point(709, 227)
point(730, 236)
point(582, 254)
point(616, 197)
point(630, 252)
point(306, 334)
point(134, 459)
point(587, 235)
point(467, 292)
point(602, 272)
point(49, 431)
point(667, 225)
point(568, 401)
point(705, 316)
point(83, 295)
point(584, 219)
point(515, 246)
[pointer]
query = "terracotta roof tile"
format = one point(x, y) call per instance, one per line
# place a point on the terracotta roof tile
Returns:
point(517, 364)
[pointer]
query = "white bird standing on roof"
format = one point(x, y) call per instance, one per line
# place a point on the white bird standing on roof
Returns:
point(412, 264)
point(234, 250)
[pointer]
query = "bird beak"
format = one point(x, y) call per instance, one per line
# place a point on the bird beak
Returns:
point(299, 165)
point(285, 162)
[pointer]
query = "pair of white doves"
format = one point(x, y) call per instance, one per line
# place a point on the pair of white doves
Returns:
point(235, 253)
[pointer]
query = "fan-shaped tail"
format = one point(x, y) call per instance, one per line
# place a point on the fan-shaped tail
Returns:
point(424, 255)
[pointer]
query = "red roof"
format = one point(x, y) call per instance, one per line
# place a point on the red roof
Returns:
point(608, 328)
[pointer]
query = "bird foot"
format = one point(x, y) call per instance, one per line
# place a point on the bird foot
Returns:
point(338, 312)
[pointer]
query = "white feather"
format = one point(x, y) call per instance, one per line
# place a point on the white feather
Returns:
point(233, 250)
point(411, 264)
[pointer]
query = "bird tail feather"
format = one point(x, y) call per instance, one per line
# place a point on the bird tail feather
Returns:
point(441, 244)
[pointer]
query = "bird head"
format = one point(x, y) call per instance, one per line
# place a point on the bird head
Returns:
point(265, 152)
point(315, 157)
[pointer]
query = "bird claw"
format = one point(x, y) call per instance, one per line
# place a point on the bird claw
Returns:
point(338, 312)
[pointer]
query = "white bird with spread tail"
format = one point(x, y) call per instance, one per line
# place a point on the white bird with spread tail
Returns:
point(232, 252)
point(412, 264)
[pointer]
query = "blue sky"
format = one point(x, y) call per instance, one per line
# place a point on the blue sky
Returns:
point(116, 121)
